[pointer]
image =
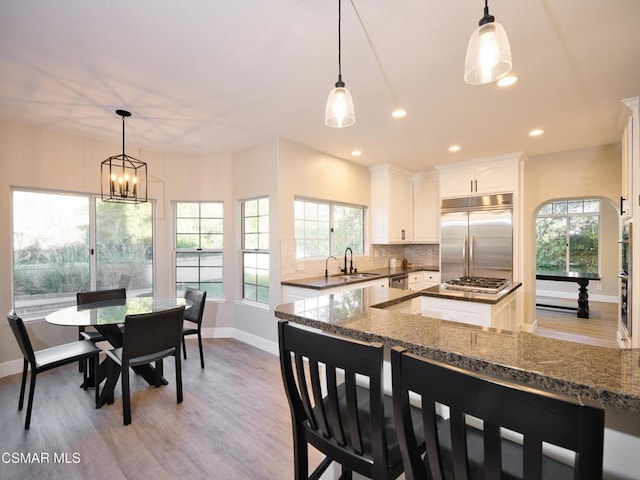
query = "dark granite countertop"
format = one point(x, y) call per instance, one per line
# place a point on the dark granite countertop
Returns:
point(491, 298)
point(322, 282)
point(608, 375)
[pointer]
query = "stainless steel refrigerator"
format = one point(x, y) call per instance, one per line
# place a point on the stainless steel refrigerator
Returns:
point(476, 237)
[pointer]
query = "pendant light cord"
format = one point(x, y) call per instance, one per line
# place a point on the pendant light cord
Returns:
point(339, 44)
point(123, 135)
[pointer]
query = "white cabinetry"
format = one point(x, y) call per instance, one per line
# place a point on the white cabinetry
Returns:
point(391, 205)
point(415, 281)
point(479, 177)
point(502, 315)
point(630, 157)
point(423, 279)
point(293, 294)
point(431, 279)
point(426, 208)
point(630, 212)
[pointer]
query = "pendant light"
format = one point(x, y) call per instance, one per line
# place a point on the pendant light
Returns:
point(488, 53)
point(339, 112)
point(123, 178)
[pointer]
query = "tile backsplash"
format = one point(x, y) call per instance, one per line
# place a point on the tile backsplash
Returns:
point(379, 255)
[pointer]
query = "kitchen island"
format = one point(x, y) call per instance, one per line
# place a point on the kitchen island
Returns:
point(608, 375)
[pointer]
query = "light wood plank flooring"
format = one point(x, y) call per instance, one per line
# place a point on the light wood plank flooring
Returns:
point(234, 423)
point(599, 329)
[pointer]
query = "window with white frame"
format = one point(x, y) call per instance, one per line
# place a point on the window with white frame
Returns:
point(199, 247)
point(567, 236)
point(64, 243)
point(327, 228)
point(255, 250)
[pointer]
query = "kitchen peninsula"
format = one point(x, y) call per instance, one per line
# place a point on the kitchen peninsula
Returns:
point(608, 375)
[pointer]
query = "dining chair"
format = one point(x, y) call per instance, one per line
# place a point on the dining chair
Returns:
point(332, 407)
point(46, 359)
point(193, 317)
point(148, 337)
point(95, 296)
point(460, 449)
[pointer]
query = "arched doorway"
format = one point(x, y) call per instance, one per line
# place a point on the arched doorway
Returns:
point(577, 234)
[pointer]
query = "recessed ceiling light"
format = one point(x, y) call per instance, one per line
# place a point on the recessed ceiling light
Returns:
point(536, 132)
point(454, 148)
point(356, 153)
point(399, 113)
point(507, 81)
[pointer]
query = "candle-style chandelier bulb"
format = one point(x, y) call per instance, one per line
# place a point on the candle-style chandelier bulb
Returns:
point(123, 178)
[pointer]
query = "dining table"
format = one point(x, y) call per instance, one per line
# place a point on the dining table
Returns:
point(107, 317)
point(582, 279)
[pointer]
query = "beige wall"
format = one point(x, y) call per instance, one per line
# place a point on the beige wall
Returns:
point(315, 175)
point(255, 174)
point(591, 172)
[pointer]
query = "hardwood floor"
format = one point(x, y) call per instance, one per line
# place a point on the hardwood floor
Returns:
point(234, 423)
point(599, 329)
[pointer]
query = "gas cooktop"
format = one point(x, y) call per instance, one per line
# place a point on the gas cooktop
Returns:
point(477, 284)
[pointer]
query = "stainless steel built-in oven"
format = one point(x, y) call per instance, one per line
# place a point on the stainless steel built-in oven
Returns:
point(626, 277)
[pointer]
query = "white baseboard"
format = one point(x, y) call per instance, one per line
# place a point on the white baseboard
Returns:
point(241, 335)
point(529, 328)
point(11, 367)
point(255, 341)
point(574, 296)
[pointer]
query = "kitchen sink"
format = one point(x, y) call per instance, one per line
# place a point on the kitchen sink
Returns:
point(356, 276)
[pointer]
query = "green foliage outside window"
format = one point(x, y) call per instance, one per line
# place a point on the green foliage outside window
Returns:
point(567, 236)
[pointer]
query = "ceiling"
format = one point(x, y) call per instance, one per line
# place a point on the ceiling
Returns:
point(213, 77)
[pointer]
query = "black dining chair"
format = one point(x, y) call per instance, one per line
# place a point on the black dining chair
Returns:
point(193, 319)
point(46, 359)
point(460, 449)
point(348, 421)
point(95, 296)
point(148, 337)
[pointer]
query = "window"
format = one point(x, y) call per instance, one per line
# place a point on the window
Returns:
point(53, 246)
point(255, 250)
point(325, 228)
point(567, 236)
point(198, 247)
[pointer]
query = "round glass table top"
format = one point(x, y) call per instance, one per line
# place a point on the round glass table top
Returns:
point(113, 311)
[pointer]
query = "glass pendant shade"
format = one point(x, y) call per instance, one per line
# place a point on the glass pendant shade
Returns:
point(488, 55)
point(340, 112)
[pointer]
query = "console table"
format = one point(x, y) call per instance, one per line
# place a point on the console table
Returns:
point(582, 279)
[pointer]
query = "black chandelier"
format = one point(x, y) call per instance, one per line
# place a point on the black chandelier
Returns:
point(123, 178)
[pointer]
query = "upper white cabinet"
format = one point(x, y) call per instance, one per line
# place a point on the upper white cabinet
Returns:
point(479, 177)
point(391, 205)
point(426, 208)
point(630, 156)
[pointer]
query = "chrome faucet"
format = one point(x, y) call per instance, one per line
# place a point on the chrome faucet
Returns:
point(345, 261)
point(326, 266)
